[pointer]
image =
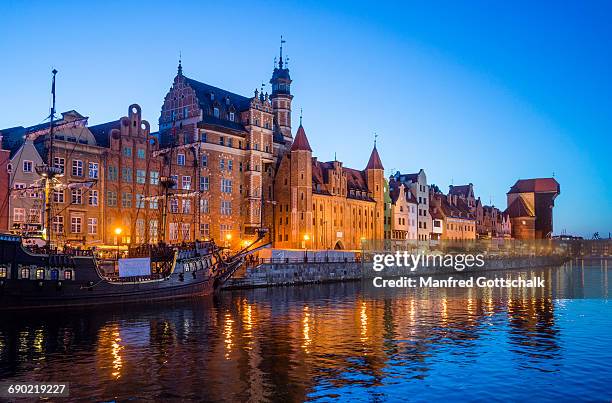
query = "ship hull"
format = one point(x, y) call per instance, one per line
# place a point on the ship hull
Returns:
point(27, 294)
point(39, 281)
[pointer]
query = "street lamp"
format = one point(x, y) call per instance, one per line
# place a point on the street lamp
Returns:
point(306, 239)
point(228, 238)
point(117, 233)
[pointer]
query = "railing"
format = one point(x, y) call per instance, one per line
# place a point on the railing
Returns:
point(323, 259)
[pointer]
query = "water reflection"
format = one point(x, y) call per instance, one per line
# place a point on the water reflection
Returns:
point(327, 341)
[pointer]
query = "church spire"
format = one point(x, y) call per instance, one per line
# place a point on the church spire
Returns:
point(280, 62)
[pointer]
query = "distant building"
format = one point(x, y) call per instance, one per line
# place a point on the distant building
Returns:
point(530, 207)
point(404, 218)
point(417, 183)
point(455, 215)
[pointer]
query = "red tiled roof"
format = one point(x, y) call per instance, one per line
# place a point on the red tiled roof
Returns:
point(538, 185)
point(461, 190)
point(301, 141)
point(355, 179)
point(374, 162)
point(319, 171)
point(435, 213)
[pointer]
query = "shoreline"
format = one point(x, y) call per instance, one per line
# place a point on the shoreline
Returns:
point(292, 274)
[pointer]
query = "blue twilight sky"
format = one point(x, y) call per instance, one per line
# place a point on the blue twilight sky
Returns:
point(482, 92)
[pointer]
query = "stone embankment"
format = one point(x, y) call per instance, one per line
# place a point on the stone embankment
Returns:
point(283, 274)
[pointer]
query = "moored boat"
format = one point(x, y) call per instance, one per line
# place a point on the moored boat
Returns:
point(80, 278)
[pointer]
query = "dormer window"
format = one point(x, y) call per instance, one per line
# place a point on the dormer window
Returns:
point(231, 116)
point(227, 101)
point(216, 112)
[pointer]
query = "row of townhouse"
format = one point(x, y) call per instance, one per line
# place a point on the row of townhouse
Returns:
point(417, 211)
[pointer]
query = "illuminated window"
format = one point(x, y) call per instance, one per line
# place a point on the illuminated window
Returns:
point(25, 273)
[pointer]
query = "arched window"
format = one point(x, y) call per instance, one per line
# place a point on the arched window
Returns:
point(40, 274)
point(54, 274)
point(3, 272)
point(25, 273)
point(68, 275)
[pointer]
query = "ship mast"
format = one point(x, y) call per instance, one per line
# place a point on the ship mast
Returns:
point(167, 183)
point(49, 171)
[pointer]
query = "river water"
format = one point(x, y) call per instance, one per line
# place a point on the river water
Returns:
point(331, 341)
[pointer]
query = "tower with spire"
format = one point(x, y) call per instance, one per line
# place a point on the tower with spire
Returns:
point(281, 97)
point(375, 177)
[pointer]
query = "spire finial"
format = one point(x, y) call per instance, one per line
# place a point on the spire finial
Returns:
point(375, 137)
point(180, 66)
point(301, 110)
point(280, 61)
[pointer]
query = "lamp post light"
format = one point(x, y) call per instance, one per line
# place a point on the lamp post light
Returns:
point(117, 233)
point(306, 239)
point(228, 238)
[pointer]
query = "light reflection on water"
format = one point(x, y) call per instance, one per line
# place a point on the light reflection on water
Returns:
point(323, 342)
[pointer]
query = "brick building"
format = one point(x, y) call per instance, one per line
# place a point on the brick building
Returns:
point(530, 207)
point(324, 205)
point(224, 146)
point(130, 190)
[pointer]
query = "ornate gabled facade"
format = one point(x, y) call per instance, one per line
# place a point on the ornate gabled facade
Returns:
point(417, 183)
point(403, 214)
point(77, 197)
point(131, 172)
point(324, 205)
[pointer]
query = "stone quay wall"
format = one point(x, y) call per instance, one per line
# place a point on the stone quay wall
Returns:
point(284, 274)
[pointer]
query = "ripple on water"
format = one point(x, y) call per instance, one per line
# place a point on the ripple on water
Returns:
point(325, 342)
